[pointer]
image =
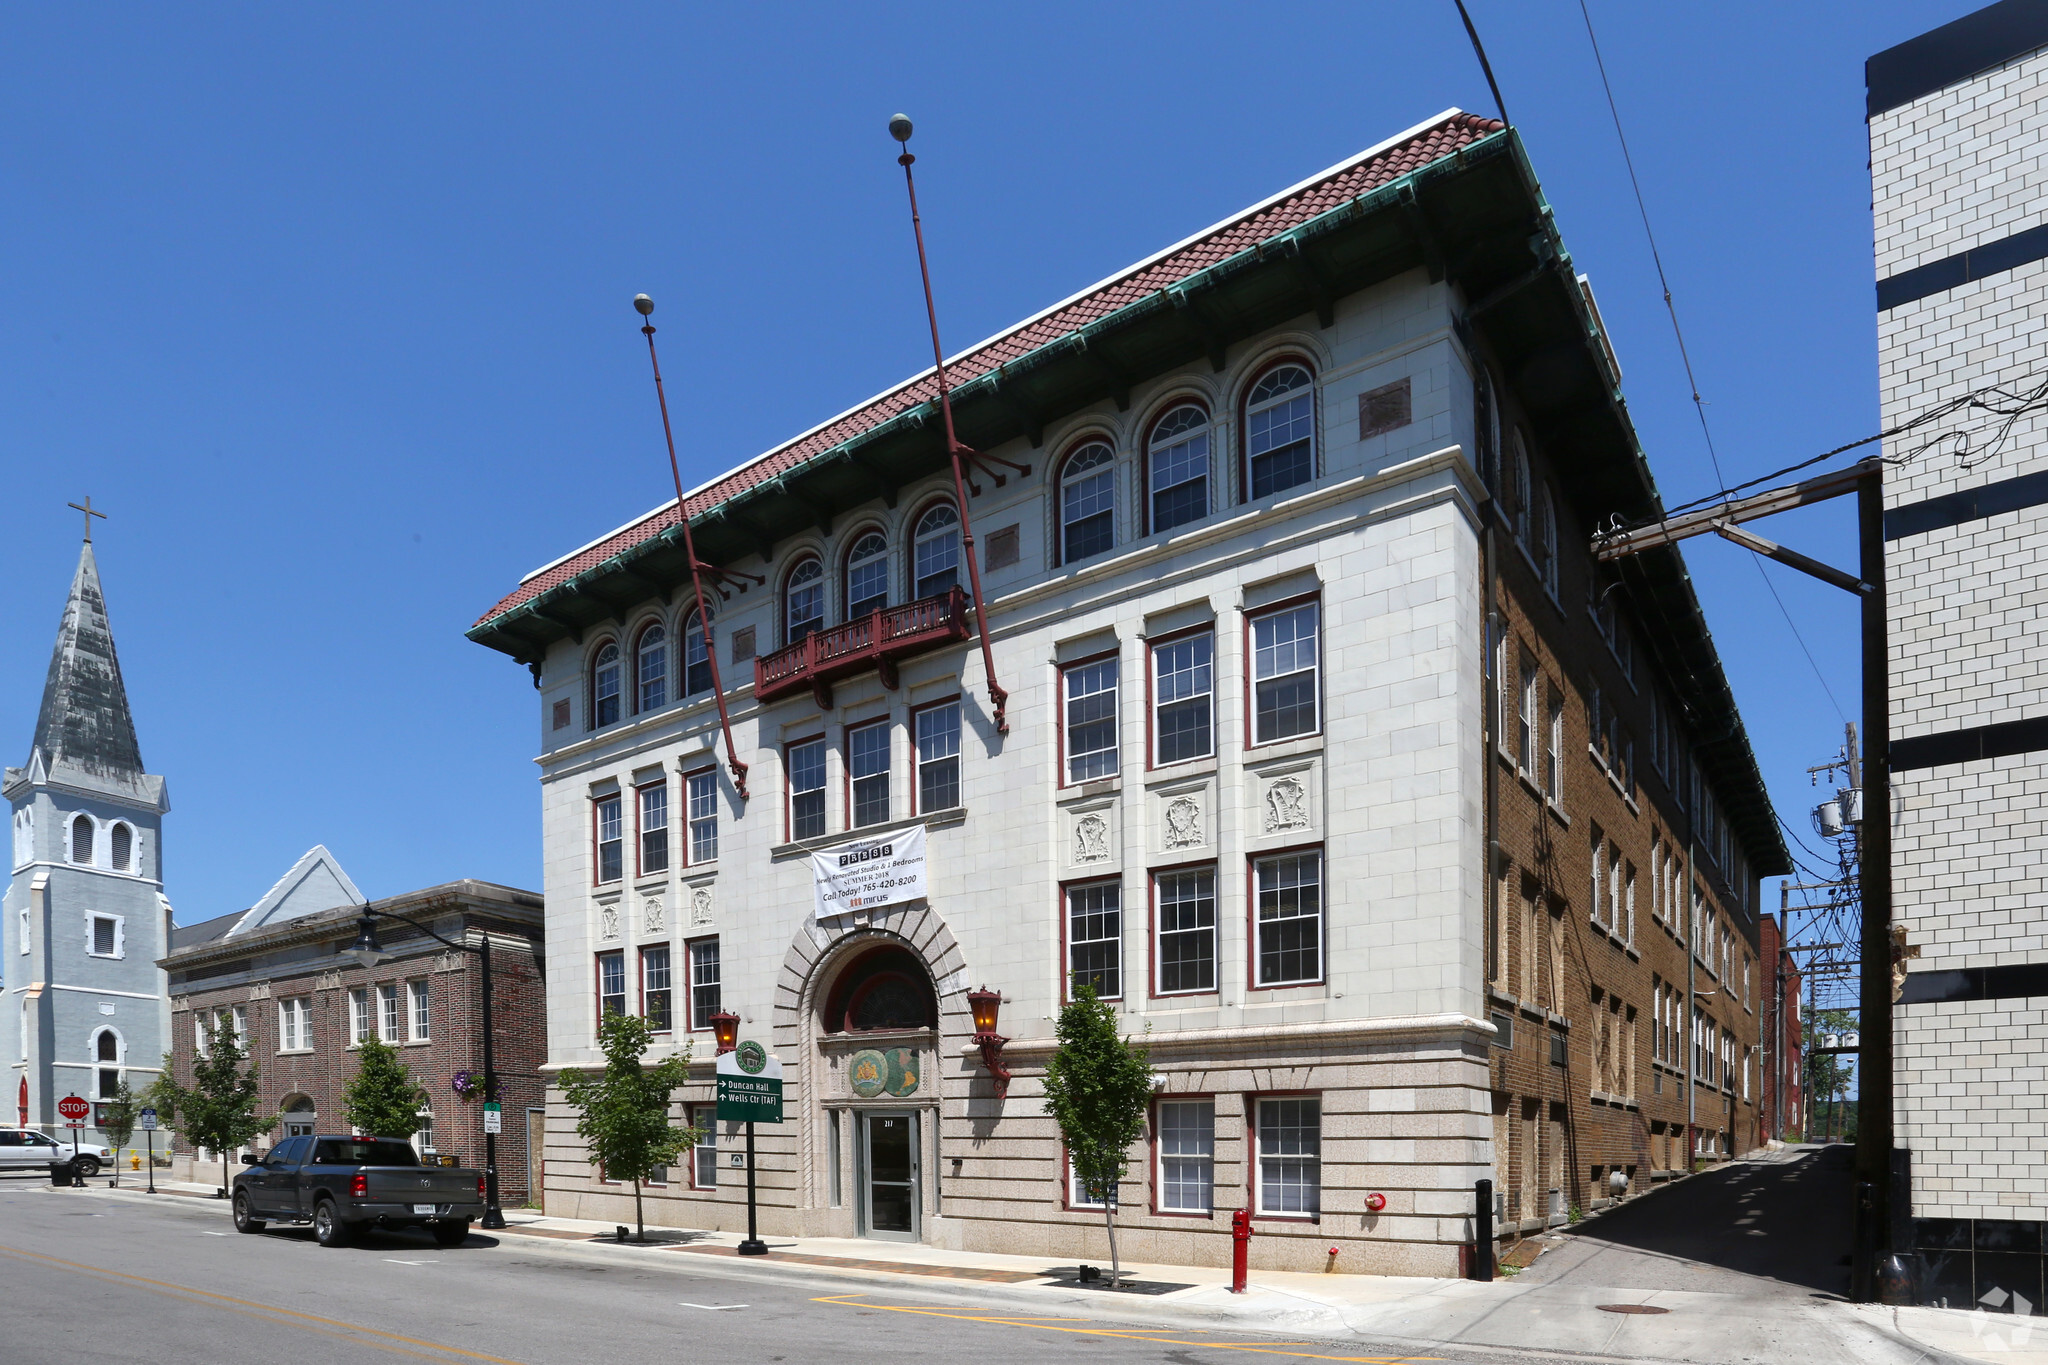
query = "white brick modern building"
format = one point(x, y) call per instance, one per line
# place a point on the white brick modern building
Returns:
point(1959, 172)
point(1239, 605)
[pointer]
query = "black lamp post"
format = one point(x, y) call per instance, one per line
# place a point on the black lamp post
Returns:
point(368, 951)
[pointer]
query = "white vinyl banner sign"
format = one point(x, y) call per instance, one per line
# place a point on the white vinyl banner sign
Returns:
point(885, 870)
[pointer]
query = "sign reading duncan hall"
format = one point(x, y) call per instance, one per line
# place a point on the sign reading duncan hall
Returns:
point(886, 869)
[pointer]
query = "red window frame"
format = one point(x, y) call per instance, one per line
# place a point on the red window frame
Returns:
point(597, 799)
point(1152, 646)
point(1244, 405)
point(1251, 682)
point(846, 766)
point(1060, 729)
point(789, 792)
point(1152, 876)
point(1067, 1203)
point(690, 946)
point(1253, 1191)
point(1167, 406)
point(708, 1115)
point(641, 962)
point(640, 833)
point(1123, 972)
point(689, 858)
point(1157, 1179)
point(1251, 916)
point(597, 979)
point(917, 756)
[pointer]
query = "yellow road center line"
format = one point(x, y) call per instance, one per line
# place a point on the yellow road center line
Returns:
point(1152, 1335)
point(250, 1308)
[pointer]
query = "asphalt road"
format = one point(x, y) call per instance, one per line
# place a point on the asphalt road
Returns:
point(93, 1278)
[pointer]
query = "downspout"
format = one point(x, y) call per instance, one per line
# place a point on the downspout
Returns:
point(739, 770)
point(899, 127)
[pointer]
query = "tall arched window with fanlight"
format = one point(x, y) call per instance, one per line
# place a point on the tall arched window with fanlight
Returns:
point(1280, 430)
point(803, 600)
point(867, 575)
point(1087, 502)
point(936, 550)
point(650, 667)
point(1177, 467)
point(605, 671)
point(696, 656)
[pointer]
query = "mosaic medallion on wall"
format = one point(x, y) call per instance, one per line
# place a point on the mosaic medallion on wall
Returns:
point(873, 1072)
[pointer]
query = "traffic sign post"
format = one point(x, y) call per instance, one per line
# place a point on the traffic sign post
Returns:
point(750, 1092)
point(146, 1120)
point(73, 1110)
point(494, 1117)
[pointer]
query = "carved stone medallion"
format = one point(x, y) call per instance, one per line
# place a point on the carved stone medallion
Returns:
point(653, 916)
point(700, 906)
point(608, 922)
point(1183, 822)
point(1091, 839)
point(1286, 805)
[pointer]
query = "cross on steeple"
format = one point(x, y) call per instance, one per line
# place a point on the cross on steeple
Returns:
point(89, 515)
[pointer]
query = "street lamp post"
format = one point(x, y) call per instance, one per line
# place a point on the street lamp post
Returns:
point(368, 951)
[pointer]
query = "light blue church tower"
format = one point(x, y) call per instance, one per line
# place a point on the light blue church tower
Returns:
point(85, 918)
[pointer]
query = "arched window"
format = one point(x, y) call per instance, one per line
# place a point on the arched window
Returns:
point(651, 668)
point(803, 599)
point(1279, 430)
point(867, 575)
point(937, 550)
point(885, 988)
point(1546, 537)
point(1087, 502)
point(1178, 467)
point(696, 657)
point(81, 839)
point(1486, 426)
point(106, 1047)
point(604, 686)
point(123, 842)
point(1520, 491)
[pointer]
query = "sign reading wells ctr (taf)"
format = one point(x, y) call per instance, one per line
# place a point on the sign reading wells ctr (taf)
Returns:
point(749, 1086)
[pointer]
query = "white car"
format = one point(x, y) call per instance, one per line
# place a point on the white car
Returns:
point(24, 1149)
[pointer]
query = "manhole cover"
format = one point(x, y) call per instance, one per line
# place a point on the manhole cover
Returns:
point(1632, 1308)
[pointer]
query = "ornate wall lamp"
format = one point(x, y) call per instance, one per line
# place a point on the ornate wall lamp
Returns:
point(725, 1027)
point(984, 1005)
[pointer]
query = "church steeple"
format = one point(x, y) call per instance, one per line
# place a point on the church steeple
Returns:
point(84, 728)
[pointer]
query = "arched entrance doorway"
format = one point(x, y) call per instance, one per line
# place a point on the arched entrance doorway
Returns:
point(878, 1020)
point(298, 1115)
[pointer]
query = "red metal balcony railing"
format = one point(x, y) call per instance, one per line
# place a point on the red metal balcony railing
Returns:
point(877, 640)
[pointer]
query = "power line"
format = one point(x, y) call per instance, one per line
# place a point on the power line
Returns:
point(1699, 404)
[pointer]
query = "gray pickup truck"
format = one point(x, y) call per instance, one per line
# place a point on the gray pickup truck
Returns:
point(342, 1185)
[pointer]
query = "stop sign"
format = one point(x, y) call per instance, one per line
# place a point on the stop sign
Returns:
point(73, 1108)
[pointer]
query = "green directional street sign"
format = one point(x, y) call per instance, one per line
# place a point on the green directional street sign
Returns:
point(749, 1086)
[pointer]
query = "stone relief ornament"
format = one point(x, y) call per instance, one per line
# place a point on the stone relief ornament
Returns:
point(1183, 822)
point(1091, 839)
point(651, 914)
point(608, 922)
point(1286, 805)
point(700, 906)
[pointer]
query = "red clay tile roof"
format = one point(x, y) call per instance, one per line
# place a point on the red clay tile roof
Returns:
point(1347, 181)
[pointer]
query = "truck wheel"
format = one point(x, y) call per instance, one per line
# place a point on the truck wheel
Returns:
point(88, 1166)
point(328, 1229)
point(450, 1233)
point(244, 1222)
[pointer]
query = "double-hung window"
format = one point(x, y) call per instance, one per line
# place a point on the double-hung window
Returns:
point(704, 996)
point(654, 828)
point(1179, 468)
point(704, 1156)
point(803, 601)
point(702, 789)
point(654, 989)
point(1186, 1180)
point(1095, 939)
point(605, 701)
point(1553, 756)
point(1290, 901)
point(1280, 431)
point(611, 847)
point(421, 1016)
point(1183, 699)
point(388, 1014)
point(1185, 922)
point(1087, 502)
point(938, 757)
point(867, 576)
point(935, 551)
point(611, 983)
point(806, 762)
point(867, 770)
point(1291, 1155)
point(653, 668)
point(294, 1025)
point(696, 657)
point(1284, 669)
point(1526, 719)
point(1090, 700)
point(358, 1015)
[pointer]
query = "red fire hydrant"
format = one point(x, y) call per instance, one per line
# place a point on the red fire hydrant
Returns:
point(1240, 1247)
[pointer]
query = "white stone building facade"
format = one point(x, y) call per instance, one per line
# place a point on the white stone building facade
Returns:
point(1237, 607)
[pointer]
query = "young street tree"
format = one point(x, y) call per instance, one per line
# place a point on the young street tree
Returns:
point(625, 1107)
point(1097, 1086)
point(219, 1111)
point(382, 1100)
point(117, 1122)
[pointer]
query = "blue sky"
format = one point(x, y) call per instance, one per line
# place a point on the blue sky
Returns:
point(329, 311)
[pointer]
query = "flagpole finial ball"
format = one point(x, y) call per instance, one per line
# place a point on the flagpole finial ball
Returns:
point(644, 304)
point(899, 127)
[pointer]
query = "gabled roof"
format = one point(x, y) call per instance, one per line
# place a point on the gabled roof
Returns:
point(314, 884)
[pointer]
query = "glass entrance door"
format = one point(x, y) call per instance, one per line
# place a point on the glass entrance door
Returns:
point(888, 1175)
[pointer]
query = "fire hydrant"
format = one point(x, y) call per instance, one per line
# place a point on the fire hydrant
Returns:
point(1240, 1247)
point(135, 1161)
